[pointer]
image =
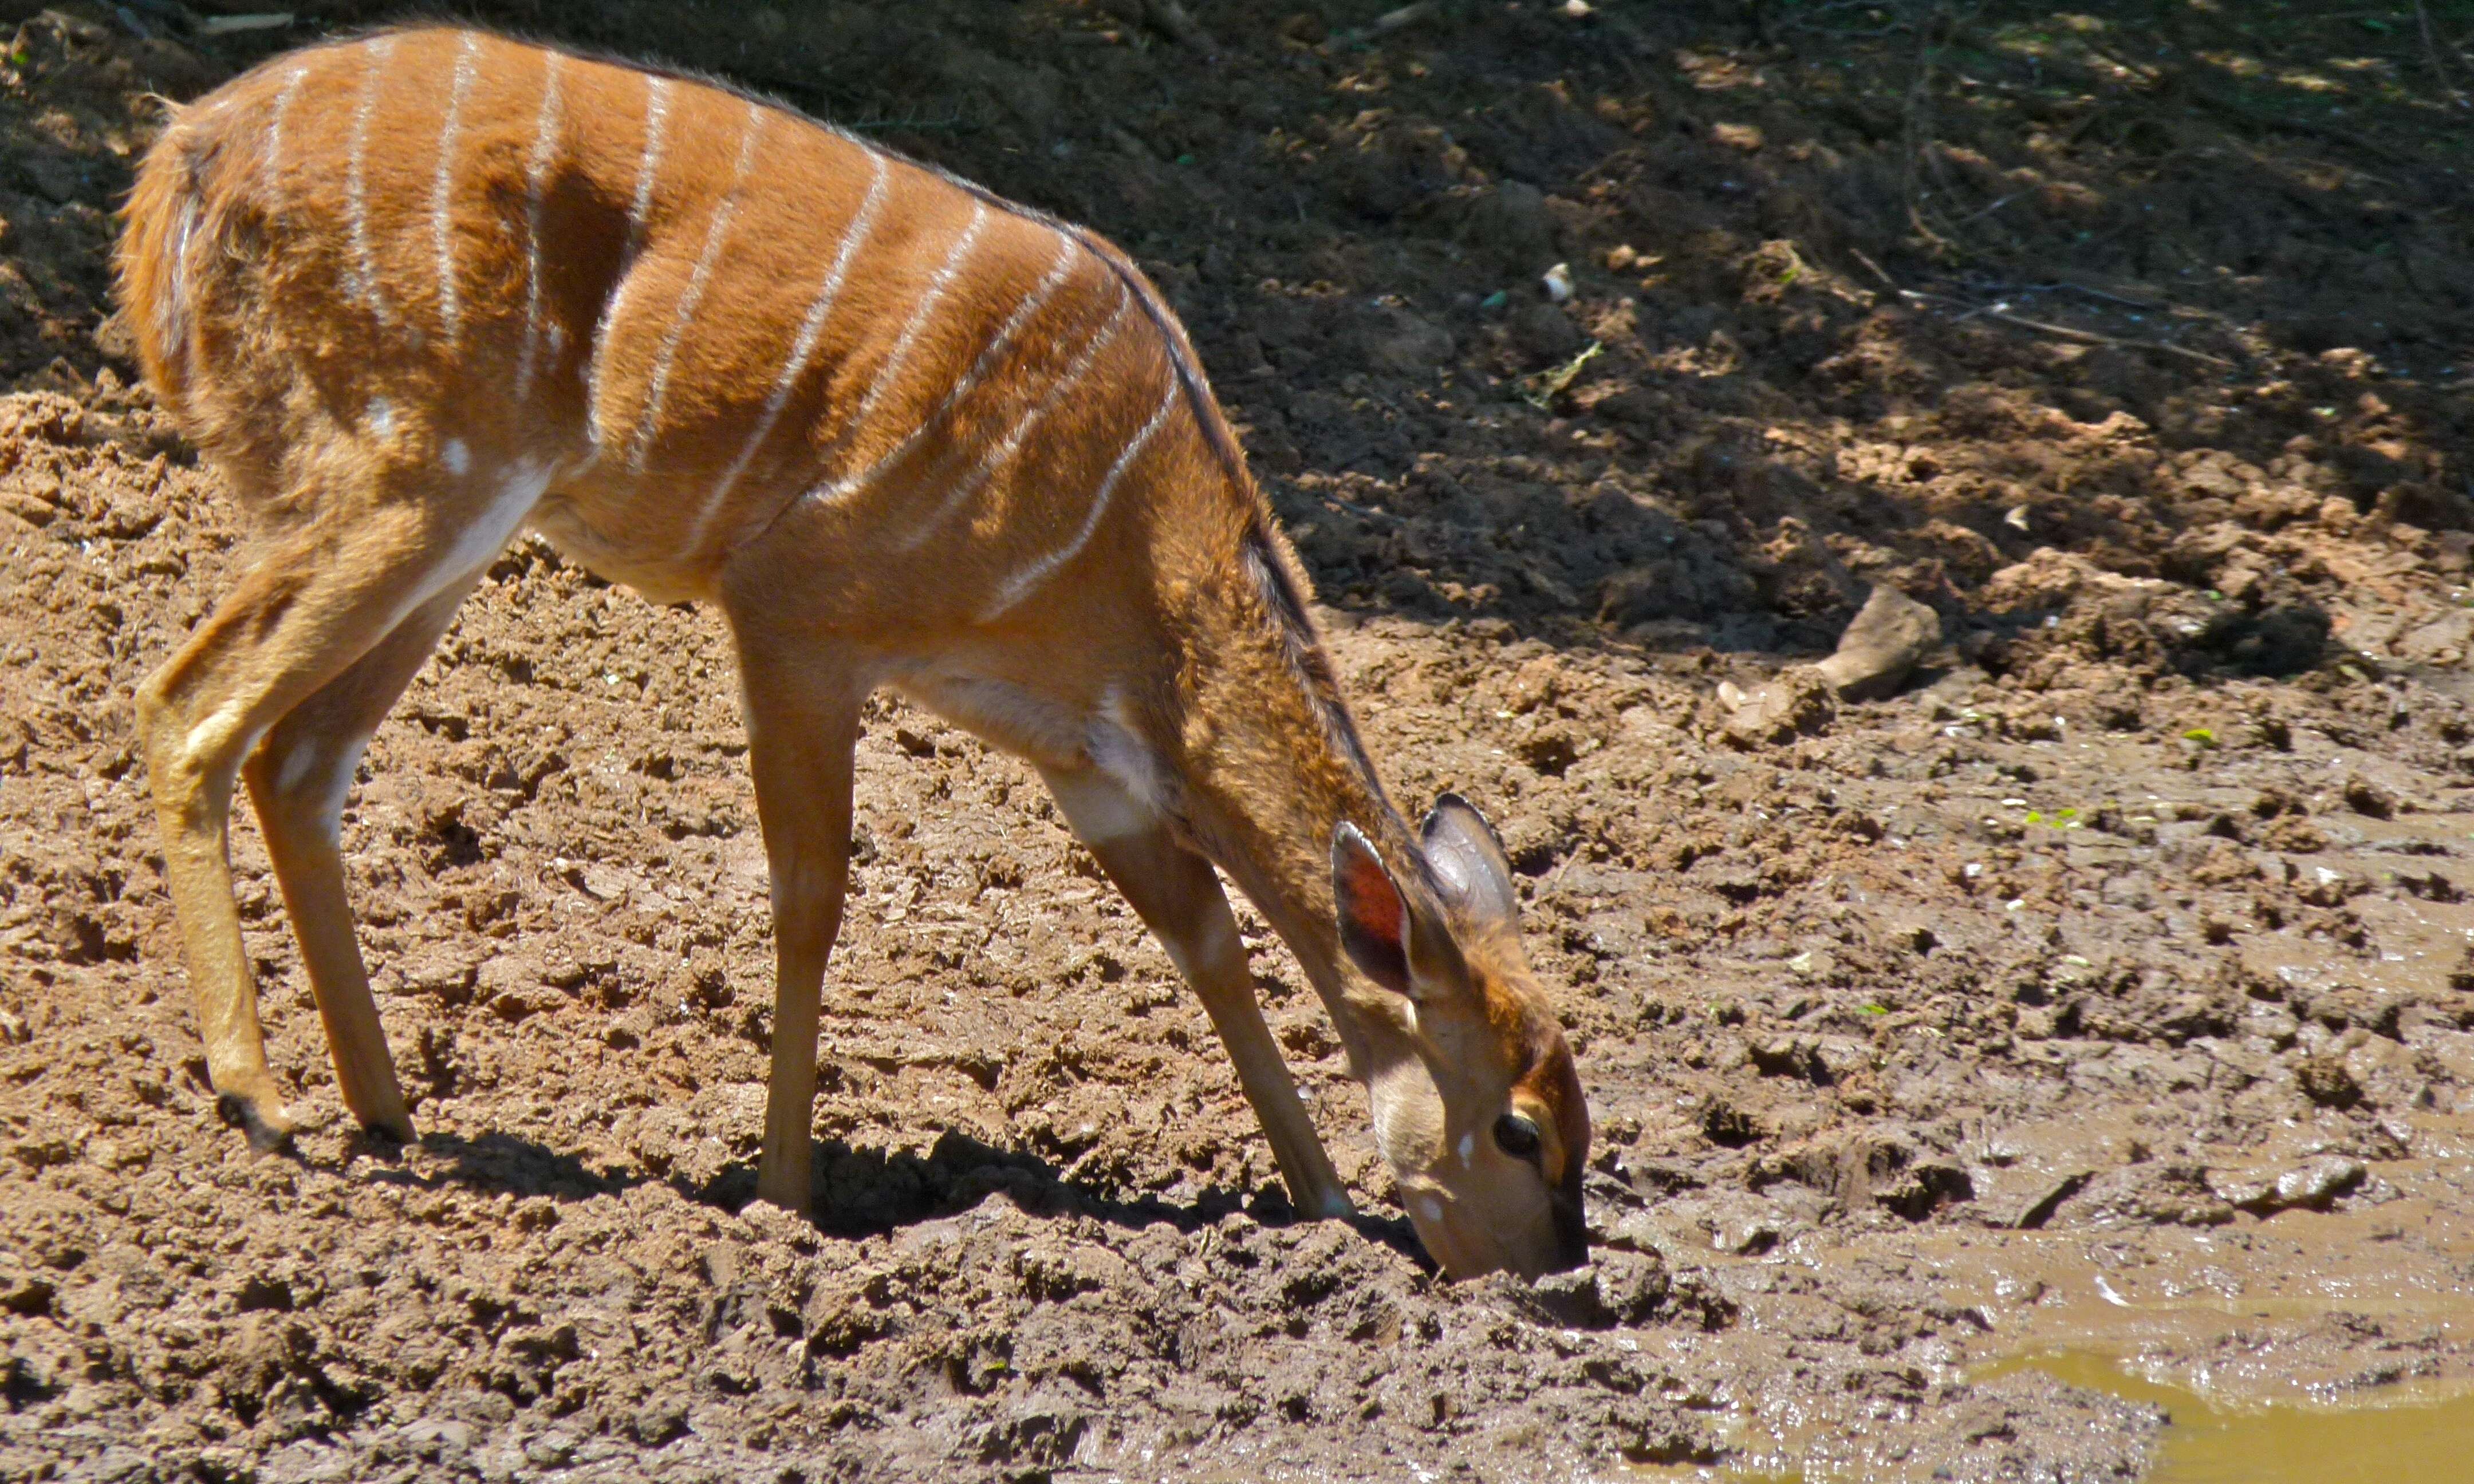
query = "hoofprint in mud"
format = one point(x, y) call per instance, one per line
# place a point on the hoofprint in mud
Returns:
point(2043, 1003)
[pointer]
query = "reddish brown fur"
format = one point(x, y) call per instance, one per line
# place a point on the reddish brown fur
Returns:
point(899, 431)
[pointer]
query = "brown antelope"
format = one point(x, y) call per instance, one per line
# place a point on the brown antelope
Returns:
point(415, 291)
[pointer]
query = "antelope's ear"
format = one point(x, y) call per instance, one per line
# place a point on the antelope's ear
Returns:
point(1470, 864)
point(1374, 917)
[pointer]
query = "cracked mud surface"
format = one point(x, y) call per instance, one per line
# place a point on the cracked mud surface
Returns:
point(2108, 985)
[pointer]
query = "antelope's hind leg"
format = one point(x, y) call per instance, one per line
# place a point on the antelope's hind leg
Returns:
point(383, 546)
point(298, 778)
point(1178, 896)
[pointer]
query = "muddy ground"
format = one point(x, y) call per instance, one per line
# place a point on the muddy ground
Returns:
point(2108, 986)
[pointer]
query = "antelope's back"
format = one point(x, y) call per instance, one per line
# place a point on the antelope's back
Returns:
point(478, 214)
point(464, 251)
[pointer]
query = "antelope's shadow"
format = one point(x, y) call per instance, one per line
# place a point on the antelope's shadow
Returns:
point(860, 1193)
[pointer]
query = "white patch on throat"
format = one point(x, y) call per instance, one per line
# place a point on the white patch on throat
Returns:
point(1116, 747)
point(1103, 810)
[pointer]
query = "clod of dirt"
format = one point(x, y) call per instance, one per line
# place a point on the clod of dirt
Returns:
point(2314, 1184)
point(1890, 634)
point(2325, 1080)
point(1511, 223)
point(2368, 799)
point(1408, 346)
point(1617, 1288)
point(1799, 701)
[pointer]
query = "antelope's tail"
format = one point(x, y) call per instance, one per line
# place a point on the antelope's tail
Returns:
point(171, 232)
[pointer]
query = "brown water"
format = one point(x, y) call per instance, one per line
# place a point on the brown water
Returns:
point(2411, 1439)
point(2225, 1333)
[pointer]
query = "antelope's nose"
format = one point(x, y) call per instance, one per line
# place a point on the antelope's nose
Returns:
point(1571, 1238)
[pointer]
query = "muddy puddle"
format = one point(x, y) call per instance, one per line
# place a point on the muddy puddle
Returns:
point(2416, 1437)
point(2406, 1434)
point(2221, 1337)
point(2411, 1439)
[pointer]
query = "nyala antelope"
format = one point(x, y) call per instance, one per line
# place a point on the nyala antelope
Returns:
point(414, 293)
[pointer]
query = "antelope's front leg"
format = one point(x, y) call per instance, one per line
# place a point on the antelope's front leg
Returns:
point(802, 723)
point(1178, 897)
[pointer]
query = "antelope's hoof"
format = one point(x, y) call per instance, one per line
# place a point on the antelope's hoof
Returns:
point(787, 1195)
point(269, 1128)
point(394, 1129)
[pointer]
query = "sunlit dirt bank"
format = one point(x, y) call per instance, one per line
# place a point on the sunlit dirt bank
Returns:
point(2103, 991)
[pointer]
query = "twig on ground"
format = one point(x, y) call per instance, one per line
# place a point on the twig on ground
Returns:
point(2093, 338)
point(1998, 312)
point(2083, 289)
point(1875, 269)
point(1987, 211)
point(1353, 508)
point(1384, 24)
point(2447, 81)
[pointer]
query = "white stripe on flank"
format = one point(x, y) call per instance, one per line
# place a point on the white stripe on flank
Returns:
point(1019, 586)
point(699, 278)
point(802, 349)
point(657, 112)
point(274, 157)
point(449, 309)
point(900, 354)
point(657, 115)
point(1007, 446)
point(356, 190)
point(1022, 312)
point(536, 179)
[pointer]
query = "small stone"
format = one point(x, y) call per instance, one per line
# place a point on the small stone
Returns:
point(2317, 1183)
point(1748, 1235)
point(659, 1420)
point(1890, 634)
point(434, 1439)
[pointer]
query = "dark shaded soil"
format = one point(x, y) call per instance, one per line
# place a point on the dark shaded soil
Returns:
point(2120, 964)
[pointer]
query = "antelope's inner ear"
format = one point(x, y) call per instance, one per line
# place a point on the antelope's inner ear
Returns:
point(1374, 917)
point(1470, 864)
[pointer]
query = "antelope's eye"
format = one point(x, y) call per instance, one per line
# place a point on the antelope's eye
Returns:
point(1516, 1137)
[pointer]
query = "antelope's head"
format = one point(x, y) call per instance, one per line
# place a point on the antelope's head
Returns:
point(1477, 1106)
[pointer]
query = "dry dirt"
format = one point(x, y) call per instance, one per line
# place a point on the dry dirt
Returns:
point(2110, 984)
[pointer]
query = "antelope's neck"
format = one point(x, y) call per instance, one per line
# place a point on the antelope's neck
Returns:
point(1273, 760)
